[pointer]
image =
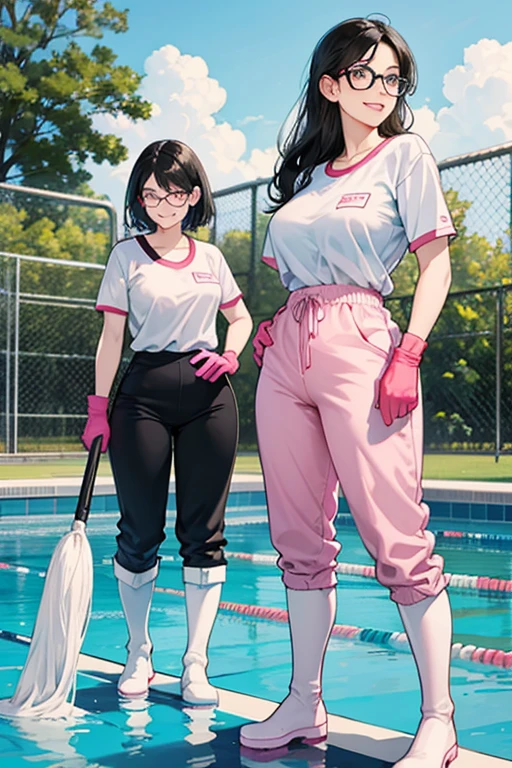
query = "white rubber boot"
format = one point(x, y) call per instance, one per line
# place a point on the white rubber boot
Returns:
point(203, 587)
point(136, 592)
point(428, 625)
point(302, 714)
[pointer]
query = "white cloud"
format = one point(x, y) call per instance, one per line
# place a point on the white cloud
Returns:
point(425, 123)
point(250, 119)
point(185, 102)
point(480, 96)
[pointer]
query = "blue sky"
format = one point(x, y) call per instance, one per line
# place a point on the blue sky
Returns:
point(258, 53)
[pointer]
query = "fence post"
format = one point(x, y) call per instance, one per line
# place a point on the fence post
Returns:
point(8, 332)
point(213, 230)
point(499, 356)
point(16, 354)
point(252, 265)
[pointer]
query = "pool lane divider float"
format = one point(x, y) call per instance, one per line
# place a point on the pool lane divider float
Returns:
point(498, 587)
point(501, 540)
point(474, 536)
point(396, 640)
point(22, 569)
point(455, 580)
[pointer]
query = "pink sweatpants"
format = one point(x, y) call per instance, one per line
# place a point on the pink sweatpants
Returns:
point(317, 426)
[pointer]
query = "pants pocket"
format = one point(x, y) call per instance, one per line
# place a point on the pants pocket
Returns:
point(376, 328)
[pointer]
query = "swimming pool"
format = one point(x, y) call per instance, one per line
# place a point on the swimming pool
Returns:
point(364, 681)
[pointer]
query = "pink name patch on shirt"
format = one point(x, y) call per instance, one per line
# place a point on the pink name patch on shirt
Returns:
point(355, 200)
point(204, 277)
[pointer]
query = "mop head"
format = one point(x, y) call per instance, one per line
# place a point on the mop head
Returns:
point(47, 685)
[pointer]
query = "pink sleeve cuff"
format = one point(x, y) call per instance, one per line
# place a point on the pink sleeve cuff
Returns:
point(231, 303)
point(114, 310)
point(269, 261)
point(432, 235)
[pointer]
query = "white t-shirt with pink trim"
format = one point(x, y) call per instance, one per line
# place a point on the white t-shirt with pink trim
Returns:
point(353, 226)
point(170, 305)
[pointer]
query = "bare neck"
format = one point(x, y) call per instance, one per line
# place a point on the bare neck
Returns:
point(168, 239)
point(359, 138)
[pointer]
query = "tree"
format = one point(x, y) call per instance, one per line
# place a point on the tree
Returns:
point(51, 89)
point(82, 236)
point(458, 375)
point(476, 263)
point(459, 380)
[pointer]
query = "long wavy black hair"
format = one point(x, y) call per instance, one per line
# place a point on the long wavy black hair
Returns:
point(172, 162)
point(316, 135)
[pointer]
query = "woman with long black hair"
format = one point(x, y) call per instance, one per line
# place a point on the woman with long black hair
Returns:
point(175, 395)
point(338, 397)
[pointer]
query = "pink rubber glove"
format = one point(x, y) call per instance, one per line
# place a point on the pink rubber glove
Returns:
point(398, 388)
point(262, 340)
point(216, 365)
point(97, 422)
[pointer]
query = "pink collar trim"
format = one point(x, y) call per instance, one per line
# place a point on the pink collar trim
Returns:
point(150, 251)
point(330, 171)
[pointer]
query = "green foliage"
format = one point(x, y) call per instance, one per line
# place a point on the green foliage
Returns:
point(50, 90)
point(476, 263)
point(459, 371)
point(82, 235)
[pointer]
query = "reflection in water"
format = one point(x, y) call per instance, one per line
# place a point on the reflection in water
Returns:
point(137, 720)
point(299, 756)
point(200, 737)
point(198, 721)
point(54, 738)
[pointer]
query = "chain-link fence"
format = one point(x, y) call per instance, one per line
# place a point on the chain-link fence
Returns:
point(466, 372)
point(49, 329)
point(467, 387)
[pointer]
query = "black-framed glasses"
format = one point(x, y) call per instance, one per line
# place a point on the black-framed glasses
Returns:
point(361, 77)
point(177, 198)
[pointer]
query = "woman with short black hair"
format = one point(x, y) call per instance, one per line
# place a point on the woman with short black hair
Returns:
point(175, 395)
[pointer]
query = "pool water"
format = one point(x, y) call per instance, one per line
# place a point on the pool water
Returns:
point(365, 682)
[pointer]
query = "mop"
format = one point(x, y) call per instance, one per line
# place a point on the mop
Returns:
point(47, 684)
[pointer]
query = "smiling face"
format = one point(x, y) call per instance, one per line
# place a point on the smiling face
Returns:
point(372, 106)
point(167, 207)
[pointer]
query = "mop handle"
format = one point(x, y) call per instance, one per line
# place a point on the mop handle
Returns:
point(84, 500)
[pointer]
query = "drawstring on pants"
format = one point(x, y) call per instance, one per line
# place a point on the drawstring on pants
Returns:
point(308, 312)
point(306, 305)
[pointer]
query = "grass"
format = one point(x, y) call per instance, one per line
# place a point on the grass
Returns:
point(436, 467)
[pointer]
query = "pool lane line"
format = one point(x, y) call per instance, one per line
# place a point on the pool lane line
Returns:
point(14, 637)
point(397, 640)
point(451, 534)
point(470, 652)
point(457, 580)
point(22, 569)
point(502, 587)
point(345, 519)
point(487, 584)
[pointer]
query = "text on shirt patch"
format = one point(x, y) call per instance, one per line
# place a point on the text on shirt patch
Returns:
point(354, 200)
point(204, 277)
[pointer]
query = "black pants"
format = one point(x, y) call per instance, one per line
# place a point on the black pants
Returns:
point(161, 402)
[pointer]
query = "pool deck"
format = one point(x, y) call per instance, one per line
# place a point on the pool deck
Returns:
point(350, 743)
point(374, 743)
point(434, 490)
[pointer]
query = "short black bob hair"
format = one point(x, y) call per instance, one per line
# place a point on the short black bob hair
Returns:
point(172, 162)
